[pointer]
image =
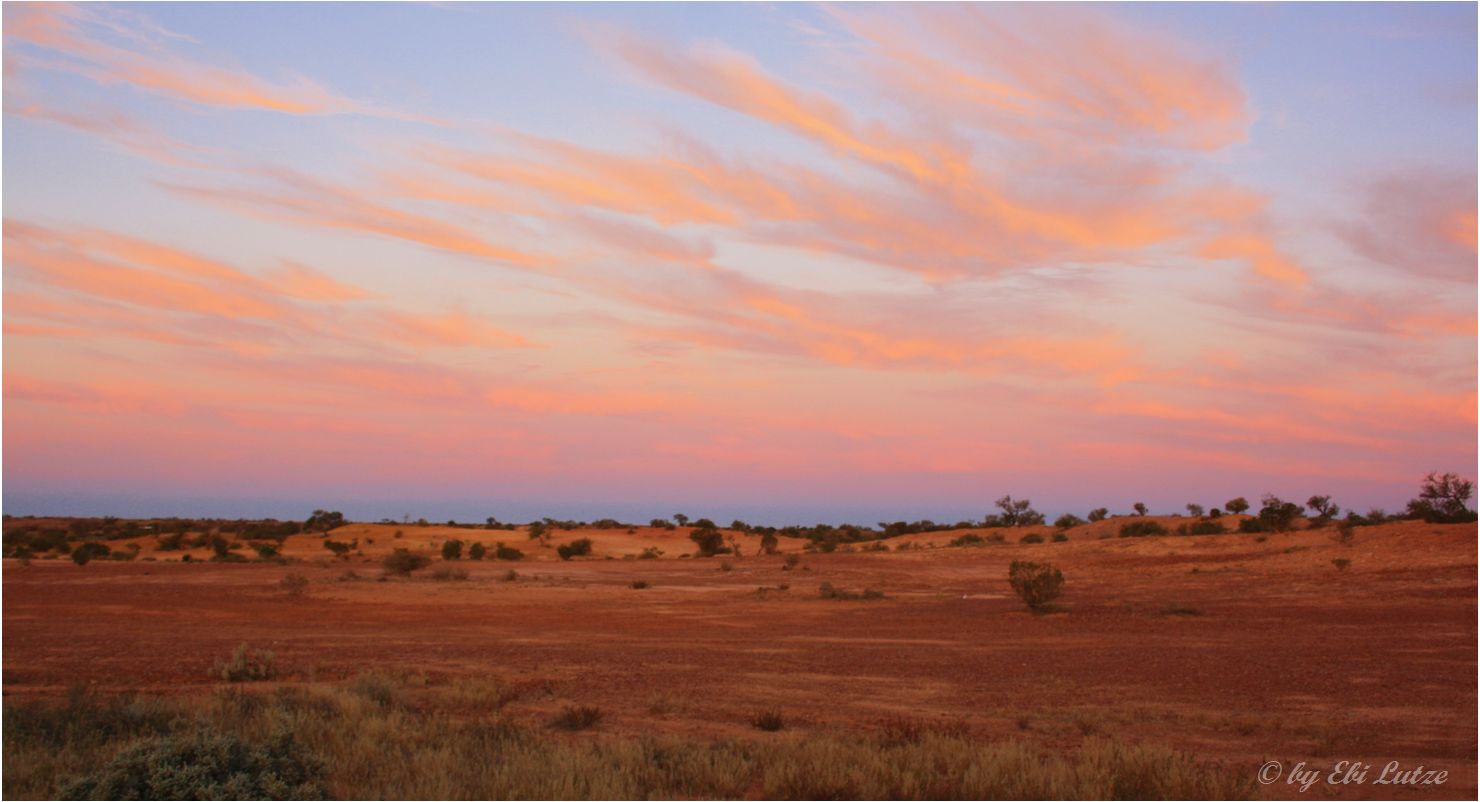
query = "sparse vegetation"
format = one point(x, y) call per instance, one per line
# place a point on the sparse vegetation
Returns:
point(1037, 584)
point(340, 740)
point(246, 665)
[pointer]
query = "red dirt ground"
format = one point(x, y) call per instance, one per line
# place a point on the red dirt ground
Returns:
point(1288, 659)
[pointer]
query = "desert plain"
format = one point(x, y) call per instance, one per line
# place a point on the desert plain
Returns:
point(1305, 646)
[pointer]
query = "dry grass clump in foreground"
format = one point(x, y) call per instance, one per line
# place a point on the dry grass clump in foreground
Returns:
point(337, 741)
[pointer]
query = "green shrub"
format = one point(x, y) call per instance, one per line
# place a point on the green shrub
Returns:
point(575, 548)
point(650, 553)
point(1037, 584)
point(341, 548)
point(1142, 529)
point(403, 562)
point(1059, 537)
point(1443, 499)
point(266, 551)
point(1276, 515)
point(452, 549)
point(969, 539)
point(477, 551)
point(89, 551)
point(1031, 537)
point(1068, 521)
point(502, 552)
point(206, 766)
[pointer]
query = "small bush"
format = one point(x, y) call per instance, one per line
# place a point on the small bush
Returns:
point(969, 539)
point(446, 574)
point(246, 665)
point(88, 551)
point(1142, 529)
point(577, 717)
point(1206, 528)
point(452, 550)
point(206, 766)
point(1060, 537)
point(768, 721)
point(477, 551)
point(1098, 514)
point(402, 562)
point(1031, 538)
point(710, 541)
point(726, 566)
point(650, 553)
point(639, 584)
point(1068, 521)
point(1341, 563)
point(791, 560)
point(294, 584)
point(510, 575)
point(575, 548)
point(1037, 584)
point(266, 551)
point(502, 552)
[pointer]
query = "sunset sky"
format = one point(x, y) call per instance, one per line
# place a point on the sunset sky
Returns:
point(778, 262)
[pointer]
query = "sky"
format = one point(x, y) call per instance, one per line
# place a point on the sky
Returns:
point(791, 263)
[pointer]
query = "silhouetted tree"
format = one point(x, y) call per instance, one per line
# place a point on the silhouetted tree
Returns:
point(1237, 506)
point(1195, 510)
point(1444, 498)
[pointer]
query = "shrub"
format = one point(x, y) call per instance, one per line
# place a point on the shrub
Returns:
point(726, 566)
point(1237, 506)
point(1037, 584)
point(1098, 514)
point(1068, 521)
point(791, 560)
point(322, 521)
point(1060, 537)
point(448, 574)
point(502, 552)
point(403, 562)
point(88, 551)
point(1443, 499)
point(511, 575)
point(294, 584)
point(650, 553)
point(575, 548)
point(710, 541)
point(246, 665)
point(1276, 515)
point(1142, 529)
point(1139, 507)
point(1031, 537)
point(477, 551)
point(452, 550)
point(768, 721)
point(207, 765)
point(1250, 526)
point(969, 539)
point(639, 584)
point(266, 551)
point(1206, 528)
point(1341, 563)
point(341, 548)
point(577, 717)
point(1215, 513)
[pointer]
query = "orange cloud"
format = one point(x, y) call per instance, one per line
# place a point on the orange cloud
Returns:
point(76, 34)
